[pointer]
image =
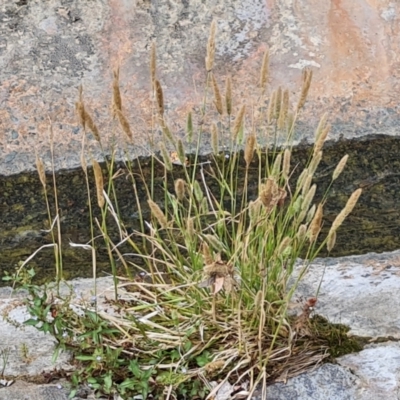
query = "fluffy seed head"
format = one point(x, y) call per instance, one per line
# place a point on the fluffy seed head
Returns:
point(286, 163)
point(339, 168)
point(159, 97)
point(351, 202)
point(249, 149)
point(307, 77)
point(41, 171)
point(98, 177)
point(92, 126)
point(264, 71)
point(153, 65)
point(180, 188)
point(217, 95)
point(238, 122)
point(124, 124)
point(330, 244)
point(157, 213)
point(211, 47)
point(315, 225)
point(117, 101)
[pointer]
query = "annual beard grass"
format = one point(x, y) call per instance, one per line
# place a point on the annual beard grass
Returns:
point(212, 297)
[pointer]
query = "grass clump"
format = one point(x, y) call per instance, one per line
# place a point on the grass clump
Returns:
point(207, 292)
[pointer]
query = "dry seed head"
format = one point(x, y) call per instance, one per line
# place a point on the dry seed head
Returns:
point(153, 64)
point(228, 95)
point(269, 194)
point(80, 110)
point(41, 171)
point(238, 122)
point(276, 168)
point(255, 208)
point(321, 139)
point(258, 300)
point(211, 47)
point(284, 244)
point(321, 126)
point(271, 107)
point(214, 139)
point(180, 188)
point(289, 122)
point(307, 77)
point(286, 163)
point(214, 242)
point(92, 126)
point(278, 102)
point(301, 178)
point(311, 213)
point(124, 124)
point(316, 159)
point(264, 71)
point(165, 130)
point(181, 152)
point(339, 168)
point(165, 156)
point(198, 193)
point(249, 149)
point(190, 226)
point(306, 185)
point(308, 198)
point(189, 126)
point(117, 101)
point(330, 244)
point(315, 225)
point(157, 213)
point(301, 233)
point(283, 109)
point(98, 177)
point(205, 250)
point(217, 95)
point(159, 97)
point(351, 202)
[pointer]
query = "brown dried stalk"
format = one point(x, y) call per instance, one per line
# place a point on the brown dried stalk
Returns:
point(217, 95)
point(98, 177)
point(157, 213)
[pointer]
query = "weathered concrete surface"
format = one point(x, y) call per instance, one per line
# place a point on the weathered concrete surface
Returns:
point(360, 291)
point(48, 48)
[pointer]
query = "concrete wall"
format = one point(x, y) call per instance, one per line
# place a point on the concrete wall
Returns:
point(48, 48)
